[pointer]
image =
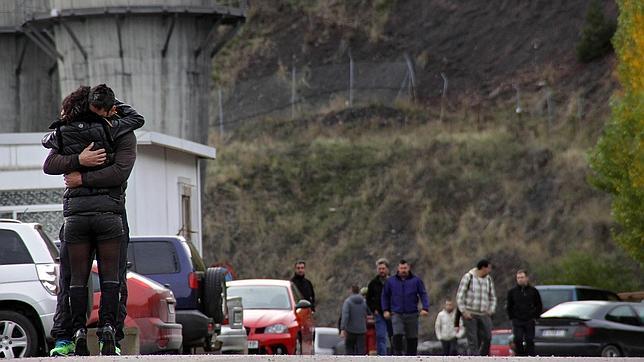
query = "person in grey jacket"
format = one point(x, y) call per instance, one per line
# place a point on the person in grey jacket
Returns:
point(353, 324)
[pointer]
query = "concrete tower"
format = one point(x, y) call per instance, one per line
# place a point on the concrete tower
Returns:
point(155, 54)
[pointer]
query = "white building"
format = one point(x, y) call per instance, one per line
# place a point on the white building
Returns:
point(163, 194)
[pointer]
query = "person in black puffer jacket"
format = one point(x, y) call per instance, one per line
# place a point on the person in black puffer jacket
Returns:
point(93, 222)
point(524, 307)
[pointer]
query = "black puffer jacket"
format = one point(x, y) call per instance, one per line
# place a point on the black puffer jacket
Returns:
point(72, 138)
point(524, 303)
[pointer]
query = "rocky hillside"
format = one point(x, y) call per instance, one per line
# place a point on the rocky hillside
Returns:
point(346, 186)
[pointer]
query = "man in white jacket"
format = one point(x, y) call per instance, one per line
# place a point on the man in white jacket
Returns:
point(445, 330)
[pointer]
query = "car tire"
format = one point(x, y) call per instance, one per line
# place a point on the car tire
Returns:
point(23, 341)
point(611, 350)
point(215, 294)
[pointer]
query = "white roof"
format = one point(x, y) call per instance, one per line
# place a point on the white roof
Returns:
point(143, 138)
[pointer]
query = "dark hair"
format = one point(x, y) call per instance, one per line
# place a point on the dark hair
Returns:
point(520, 271)
point(355, 289)
point(403, 261)
point(102, 97)
point(483, 263)
point(75, 104)
point(300, 262)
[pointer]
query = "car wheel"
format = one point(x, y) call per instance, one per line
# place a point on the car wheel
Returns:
point(611, 351)
point(18, 336)
point(215, 294)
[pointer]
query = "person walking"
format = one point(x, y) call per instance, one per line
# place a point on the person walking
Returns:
point(303, 285)
point(445, 329)
point(124, 122)
point(93, 215)
point(353, 323)
point(400, 297)
point(524, 307)
point(374, 302)
point(476, 300)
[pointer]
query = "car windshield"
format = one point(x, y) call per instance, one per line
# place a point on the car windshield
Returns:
point(552, 297)
point(261, 296)
point(501, 339)
point(571, 310)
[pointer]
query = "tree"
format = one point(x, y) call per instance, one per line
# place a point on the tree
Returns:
point(596, 34)
point(618, 157)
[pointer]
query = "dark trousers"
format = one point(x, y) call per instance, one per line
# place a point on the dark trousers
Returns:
point(450, 347)
point(355, 344)
point(523, 331)
point(63, 328)
point(478, 331)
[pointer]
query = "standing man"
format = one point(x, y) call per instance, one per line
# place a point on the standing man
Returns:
point(353, 324)
point(303, 285)
point(400, 297)
point(445, 329)
point(374, 302)
point(524, 306)
point(476, 300)
point(123, 119)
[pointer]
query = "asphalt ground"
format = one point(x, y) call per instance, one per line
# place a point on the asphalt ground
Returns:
point(255, 358)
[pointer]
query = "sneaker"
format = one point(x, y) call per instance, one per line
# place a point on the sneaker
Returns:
point(107, 342)
point(117, 349)
point(63, 348)
point(80, 339)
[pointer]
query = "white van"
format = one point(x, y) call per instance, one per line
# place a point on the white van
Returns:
point(28, 286)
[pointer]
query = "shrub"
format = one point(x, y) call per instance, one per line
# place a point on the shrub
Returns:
point(596, 35)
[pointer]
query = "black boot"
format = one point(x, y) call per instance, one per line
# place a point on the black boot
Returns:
point(80, 339)
point(107, 340)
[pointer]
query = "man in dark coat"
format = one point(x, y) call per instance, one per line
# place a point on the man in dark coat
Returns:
point(374, 297)
point(303, 285)
point(523, 306)
point(400, 298)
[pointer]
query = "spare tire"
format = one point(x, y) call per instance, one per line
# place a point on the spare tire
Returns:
point(214, 294)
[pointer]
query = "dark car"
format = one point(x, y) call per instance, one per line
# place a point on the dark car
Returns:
point(552, 295)
point(591, 328)
point(175, 263)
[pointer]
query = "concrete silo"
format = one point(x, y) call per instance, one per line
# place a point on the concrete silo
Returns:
point(29, 89)
point(155, 54)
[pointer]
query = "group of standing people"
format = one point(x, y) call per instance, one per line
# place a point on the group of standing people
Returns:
point(394, 303)
point(93, 144)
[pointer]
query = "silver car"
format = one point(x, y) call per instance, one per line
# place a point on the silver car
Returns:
point(28, 286)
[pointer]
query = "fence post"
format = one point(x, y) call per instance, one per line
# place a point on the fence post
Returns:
point(550, 107)
point(221, 114)
point(350, 79)
point(444, 96)
point(518, 109)
point(412, 77)
point(293, 94)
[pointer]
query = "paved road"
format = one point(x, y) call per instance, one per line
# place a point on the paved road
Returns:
point(220, 358)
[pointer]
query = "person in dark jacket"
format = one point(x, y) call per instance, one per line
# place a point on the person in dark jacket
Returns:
point(122, 124)
point(400, 298)
point(353, 323)
point(93, 215)
point(303, 285)
point(524, 307)
point(374, 302)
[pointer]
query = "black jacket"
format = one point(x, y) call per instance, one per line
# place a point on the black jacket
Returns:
point(305, 287)
point(374, 294)
point(524, 303)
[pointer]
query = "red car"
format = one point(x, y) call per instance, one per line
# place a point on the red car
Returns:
point(276, 317)
point(150, 308)
point(501, 343)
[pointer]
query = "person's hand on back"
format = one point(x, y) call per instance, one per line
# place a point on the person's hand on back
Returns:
point(89, 158)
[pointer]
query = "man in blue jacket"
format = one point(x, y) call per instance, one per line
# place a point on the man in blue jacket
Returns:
point(400, 303)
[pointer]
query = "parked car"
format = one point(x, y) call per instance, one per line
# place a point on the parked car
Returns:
point(232, 338)
point(325, 340)
point(28, 286)
point(552, 295)
point(150, 308)
point(501, 343)
point(591, 328)
point(274, 321)
point(176, 264)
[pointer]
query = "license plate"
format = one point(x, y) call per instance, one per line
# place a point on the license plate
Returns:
point(553, 333)
point(253, 344)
